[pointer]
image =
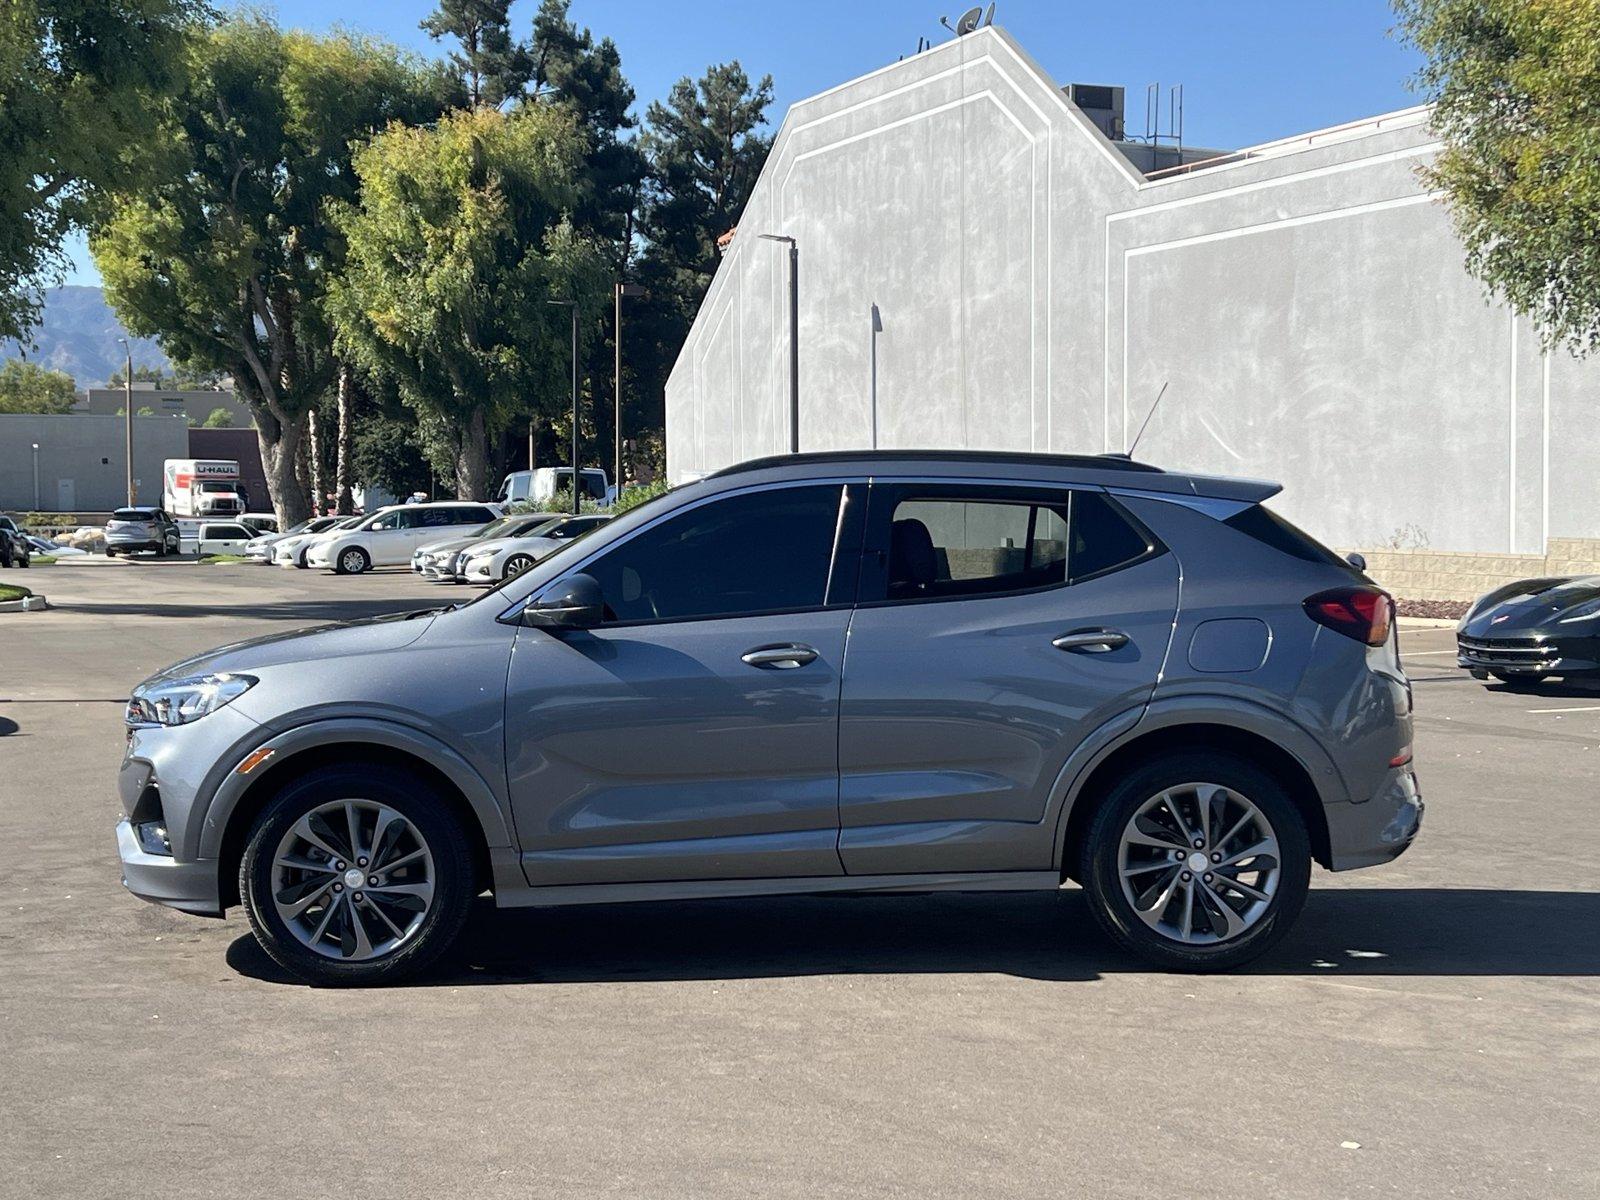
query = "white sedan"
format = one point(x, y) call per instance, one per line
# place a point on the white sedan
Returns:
point(290, 550)
point(501, 558)
point(388, 536)
point(260, 547)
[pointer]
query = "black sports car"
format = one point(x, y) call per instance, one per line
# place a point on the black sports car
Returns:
point(1533, 629)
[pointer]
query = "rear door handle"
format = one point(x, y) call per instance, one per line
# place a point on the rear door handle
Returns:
point(782, 658)
point(1091, 641)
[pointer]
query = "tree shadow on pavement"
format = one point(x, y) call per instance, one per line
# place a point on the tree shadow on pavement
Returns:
point(1044, 936)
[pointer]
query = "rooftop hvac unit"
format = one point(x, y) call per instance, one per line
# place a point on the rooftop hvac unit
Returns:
point(1101, 104)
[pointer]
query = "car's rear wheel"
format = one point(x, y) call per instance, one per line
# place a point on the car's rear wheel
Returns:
point(517, 564)
point(1196, 861)
point(352, 561)
point(356, 876)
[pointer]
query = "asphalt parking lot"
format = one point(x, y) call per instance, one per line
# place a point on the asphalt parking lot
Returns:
point(1431, 1028)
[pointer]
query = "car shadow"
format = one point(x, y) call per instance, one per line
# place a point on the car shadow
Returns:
point(1050, 936)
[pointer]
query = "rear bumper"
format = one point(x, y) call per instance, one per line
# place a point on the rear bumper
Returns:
point(161, 879)
point(129, 546)
point(1379, 829)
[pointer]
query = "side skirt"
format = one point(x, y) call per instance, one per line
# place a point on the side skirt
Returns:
point(514, 896)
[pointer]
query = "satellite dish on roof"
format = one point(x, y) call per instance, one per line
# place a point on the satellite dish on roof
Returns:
point(988, 17)
point(969, 20)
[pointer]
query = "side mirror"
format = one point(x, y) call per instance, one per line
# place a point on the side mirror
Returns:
point(575, 603)
point(1358, 561)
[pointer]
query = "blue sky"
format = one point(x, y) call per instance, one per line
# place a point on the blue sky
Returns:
point(1252, 70)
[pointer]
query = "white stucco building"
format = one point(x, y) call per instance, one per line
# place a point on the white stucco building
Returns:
point(1304, 302)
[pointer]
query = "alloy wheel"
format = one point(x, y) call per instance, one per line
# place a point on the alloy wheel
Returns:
point(353, 561)
point(353, 880)
point(1199, 863)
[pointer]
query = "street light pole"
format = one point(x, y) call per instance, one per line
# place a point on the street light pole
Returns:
point(794, 336)
point(127, 412)
point(573, 305)
point(36, 505)
point(622, 289)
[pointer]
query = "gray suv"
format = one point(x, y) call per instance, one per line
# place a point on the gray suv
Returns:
point(844, 672)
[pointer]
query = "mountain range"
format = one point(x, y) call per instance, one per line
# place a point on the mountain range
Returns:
point(79, 335)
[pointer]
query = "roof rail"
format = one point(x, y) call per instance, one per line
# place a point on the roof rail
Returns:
point(1099, 462)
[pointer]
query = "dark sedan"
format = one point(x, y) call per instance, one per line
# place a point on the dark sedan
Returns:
point(1533, 629)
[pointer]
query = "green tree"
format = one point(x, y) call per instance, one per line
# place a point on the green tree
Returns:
point(705, 146)
point(227, 260)
point(218, 418)
point(455, 248)
point(77, 81)
point(27, 387)
point(491, 65)
point(1514, 87)
point(178, 379)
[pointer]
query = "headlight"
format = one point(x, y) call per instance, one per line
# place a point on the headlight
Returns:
point(179, 701)
point(1586, 611)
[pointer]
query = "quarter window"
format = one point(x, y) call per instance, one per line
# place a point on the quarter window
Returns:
point(766, 551)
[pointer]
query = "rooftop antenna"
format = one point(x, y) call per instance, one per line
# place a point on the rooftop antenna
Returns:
point(1147, 417)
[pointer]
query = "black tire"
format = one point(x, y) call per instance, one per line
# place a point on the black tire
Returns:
point(110, 553)
point(1098, 866)
point(516, 565)
point(454, 883)
point(353, 561)
point(25, 562)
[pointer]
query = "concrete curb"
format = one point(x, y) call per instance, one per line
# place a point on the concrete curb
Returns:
point(25, 604)
point(1426, 623)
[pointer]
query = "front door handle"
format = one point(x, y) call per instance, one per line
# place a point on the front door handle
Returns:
point(1091, 641)
point(782, 658)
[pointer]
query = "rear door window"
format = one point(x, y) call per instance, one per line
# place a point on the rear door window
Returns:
point(933, 541)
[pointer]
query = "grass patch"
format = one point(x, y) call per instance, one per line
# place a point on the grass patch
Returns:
point(11, 592)
point(224, 558)
point(43, 560)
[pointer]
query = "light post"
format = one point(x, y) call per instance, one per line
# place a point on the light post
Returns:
point(573, 305)
point(127, 414)
point(630, 290)
point(794, 336)
point(36, 505)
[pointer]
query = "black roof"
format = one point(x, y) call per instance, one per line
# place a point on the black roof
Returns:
point(1105, 470)
point(1095, 462)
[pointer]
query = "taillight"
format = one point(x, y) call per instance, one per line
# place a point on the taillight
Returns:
point(1357, 612)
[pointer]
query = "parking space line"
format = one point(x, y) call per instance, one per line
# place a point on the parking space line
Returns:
point(1423, 653)
point(1580, 708)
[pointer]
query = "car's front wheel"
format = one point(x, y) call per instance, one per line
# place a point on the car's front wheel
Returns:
point(1196, 861)
point(356, 876)
point(352, 561)
point(517, 564)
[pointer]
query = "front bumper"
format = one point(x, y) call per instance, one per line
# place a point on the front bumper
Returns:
point(1528, 657)
point(478, 571)
point(1379, 829)
point(161, 879)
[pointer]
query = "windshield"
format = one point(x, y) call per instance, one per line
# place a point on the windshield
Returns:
point(499, 527)
point(551, 564)
point(217, 487)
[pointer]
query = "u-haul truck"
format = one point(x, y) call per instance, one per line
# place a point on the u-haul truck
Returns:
point(202, 487)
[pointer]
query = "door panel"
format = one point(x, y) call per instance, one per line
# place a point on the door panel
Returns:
point(694, 734)
point(654, 752)
point(958, 713)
